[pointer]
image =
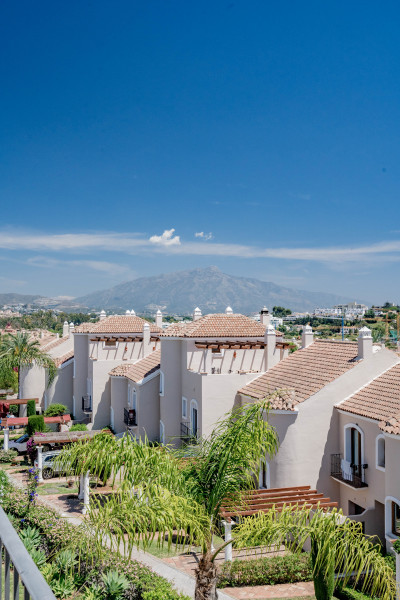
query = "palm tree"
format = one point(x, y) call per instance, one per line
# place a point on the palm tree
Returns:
point(163, 492)
point(175, 491)
point(19, 350)
point(337, 545)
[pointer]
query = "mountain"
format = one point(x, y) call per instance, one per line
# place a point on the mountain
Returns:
point(210, 289)
point(18, 299)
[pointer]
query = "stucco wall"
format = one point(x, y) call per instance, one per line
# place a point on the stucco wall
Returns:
point(172, 358)
point(61, 389)
point(148, 408)
point(32, 385)
point(81, 353)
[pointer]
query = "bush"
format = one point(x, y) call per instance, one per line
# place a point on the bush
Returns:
point(266, 571)
point(56, 410)
point(347, 593)
point(14, 410)
point(79, 427)
point(31, 408)
point(6, 456)
point(35, 423)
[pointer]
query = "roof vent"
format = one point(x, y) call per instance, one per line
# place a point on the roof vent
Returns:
point(364, 342)
point(228, 311)
point(307, 336)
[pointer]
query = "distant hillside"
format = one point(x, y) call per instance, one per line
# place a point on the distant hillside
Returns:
point(18, 299)
point(209, 288)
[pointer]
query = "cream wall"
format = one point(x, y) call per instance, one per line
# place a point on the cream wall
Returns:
point(173, 362)
point(81, 353)
point(61, 389)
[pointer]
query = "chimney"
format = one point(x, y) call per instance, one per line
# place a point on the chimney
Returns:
point(65, 329)
point(270, 341)
point(146, 338)
point(127, 313)
point(133, 314)
point(71, 328)
point(307, 336)
point(265, 317)
point(197, 314)
point(364, 343)
point(228, 311)
point(102, 315)
point(159, 318)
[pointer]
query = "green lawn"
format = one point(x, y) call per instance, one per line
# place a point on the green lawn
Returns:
point(164, 552)
point(21, 587)
point(56, 487)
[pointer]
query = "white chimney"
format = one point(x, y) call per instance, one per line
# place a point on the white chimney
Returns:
point(265, 317)
point(133, 314)
point(127, 313)
point(71, 328)
point(364, 343)
point(65, 329)
point(307, 336)
point(270, 341)
point(146, 339)
point(197, 314)
point(102, 315)
point(228, 311)
point(159, 318)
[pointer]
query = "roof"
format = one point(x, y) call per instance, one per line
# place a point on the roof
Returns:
point(140, 369)
point(62, 437)
point(218, 325)
point(303, 373)
point(60, 360)
point(379, 400)
point(117, 324)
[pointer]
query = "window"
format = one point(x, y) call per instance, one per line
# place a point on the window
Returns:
point(380, 452)
point(184, 408)
point(193, 418)
point(354, 451)
point(111, 343)
point(395, 519)
point(132, 399)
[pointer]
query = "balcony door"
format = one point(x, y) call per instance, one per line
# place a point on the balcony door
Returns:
point(355, 451)
point(194, 418)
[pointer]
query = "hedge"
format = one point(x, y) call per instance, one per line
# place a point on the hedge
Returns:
point(31, 408)
point(35, 423)
point(59, 534)
point(56, 410)
point(289, 568)
point(347, 593)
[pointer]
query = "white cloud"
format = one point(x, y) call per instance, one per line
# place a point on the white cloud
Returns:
point(95, 265)
point(166, 239)
point(204, 236)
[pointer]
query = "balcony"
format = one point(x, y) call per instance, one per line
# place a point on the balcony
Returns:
point(188, 434)
point(346, 472)
point(130, 417)
point(87, 404)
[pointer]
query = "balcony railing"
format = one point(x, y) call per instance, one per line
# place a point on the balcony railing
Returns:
point(188, 434)
point(87, 403)
point(349, 473)
point(18, 573)
point(130, 417)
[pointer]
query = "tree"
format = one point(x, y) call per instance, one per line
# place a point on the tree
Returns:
point(337, 544)
point(369, 314)
point(18, 351)
point(175, 490)
point(280, 311)
point(8, 378)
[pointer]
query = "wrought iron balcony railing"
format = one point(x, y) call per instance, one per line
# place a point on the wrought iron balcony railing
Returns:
point(130, 417)
point(349, 473)
point(188, 434)
point(87, 403)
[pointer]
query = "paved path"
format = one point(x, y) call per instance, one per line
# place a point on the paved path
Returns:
point(263, 592)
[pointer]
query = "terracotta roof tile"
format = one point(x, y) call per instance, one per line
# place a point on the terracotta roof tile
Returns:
point(303, 373)
point(140, 369)
point(60, 360)
point(117, 324)
point(379, 400)
point(53, 344)
point(218, 325)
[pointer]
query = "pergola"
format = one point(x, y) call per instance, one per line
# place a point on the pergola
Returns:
point(67, 437)
point(263, 500)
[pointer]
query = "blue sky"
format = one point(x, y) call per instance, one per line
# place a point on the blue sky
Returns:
point(146, 137)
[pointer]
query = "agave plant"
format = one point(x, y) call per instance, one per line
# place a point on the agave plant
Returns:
point(115, 584)
point(30, 537)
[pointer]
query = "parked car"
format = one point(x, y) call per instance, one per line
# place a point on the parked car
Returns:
point(50, 467)
point(19, 444)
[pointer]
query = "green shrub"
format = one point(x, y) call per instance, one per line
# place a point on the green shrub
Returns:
point(35, 423)
point(6, 456)
point(56, 410)
point(31, 408)
point(79, 427)
point(266, 571)
point(14, 410)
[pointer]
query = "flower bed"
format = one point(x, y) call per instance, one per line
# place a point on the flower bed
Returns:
point(266, 571)
point(57, 536)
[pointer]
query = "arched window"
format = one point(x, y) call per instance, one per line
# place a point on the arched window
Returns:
point(354, 445)
point(392, 517)
point(162, 433)
point(194, 423)
point(184, 408)
point(380, 452)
